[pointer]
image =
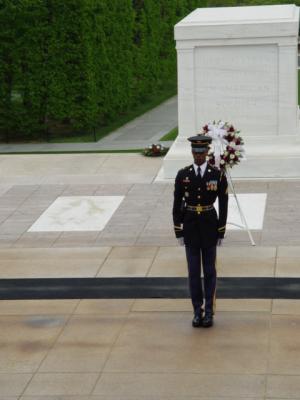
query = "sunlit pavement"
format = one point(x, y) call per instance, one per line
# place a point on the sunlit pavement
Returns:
point(139, 348)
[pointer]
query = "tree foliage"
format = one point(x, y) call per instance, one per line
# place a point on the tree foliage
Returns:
point(82, 63)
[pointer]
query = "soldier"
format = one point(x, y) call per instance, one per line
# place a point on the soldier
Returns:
point(198, 226)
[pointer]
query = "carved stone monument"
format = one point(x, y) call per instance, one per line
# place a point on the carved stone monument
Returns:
point(239, 64)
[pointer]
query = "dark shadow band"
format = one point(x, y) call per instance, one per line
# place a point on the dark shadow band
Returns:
point(144, 288)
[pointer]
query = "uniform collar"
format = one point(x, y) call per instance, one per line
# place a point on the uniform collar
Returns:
point(203, 168)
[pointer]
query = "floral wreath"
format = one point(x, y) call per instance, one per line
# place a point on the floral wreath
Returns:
point(227, 145)
point(155, 150)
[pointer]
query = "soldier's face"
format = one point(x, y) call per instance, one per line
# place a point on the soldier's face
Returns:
point(199, 158)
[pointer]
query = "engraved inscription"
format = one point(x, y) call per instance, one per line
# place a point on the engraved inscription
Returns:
point(238, 84)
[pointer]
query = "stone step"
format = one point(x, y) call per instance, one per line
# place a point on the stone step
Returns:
point(266, 157)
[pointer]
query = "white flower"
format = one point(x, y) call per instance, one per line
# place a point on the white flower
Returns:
point(218, 129)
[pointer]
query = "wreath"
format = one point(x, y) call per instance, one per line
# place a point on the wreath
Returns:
point(227, 147)
point(155, 150)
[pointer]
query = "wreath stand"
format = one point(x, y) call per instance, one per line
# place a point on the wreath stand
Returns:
point(242, 216)
point(217, 135)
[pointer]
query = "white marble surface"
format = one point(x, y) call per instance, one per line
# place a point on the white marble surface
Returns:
point(265, 159)
point(239, 64)
point(247, 79)
point(239, 14)
point(77, 213)
point(251, 21)
point(253, 207)
point(239, 83)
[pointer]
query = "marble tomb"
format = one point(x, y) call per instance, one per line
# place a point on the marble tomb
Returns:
point(239, 64)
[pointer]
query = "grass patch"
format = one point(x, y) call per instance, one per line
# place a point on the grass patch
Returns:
point(172, 135)
point(73, 152)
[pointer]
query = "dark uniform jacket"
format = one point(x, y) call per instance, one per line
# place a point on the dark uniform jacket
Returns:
point(200, 228)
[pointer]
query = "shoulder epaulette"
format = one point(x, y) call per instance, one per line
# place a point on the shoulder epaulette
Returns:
point(188, 166)
point(185, 168)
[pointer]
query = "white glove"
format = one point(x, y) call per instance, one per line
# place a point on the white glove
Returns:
point(219, 242)
point(180, 241)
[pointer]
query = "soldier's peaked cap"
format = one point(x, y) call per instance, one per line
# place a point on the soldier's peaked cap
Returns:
point(200, 143)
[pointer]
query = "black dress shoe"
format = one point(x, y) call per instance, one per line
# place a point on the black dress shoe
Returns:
point(208, 321)
point(197, 320)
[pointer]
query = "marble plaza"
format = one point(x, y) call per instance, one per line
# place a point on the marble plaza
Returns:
point(92, 213)
point(139, 349)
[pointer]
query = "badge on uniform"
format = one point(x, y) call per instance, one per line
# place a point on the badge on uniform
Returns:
point(186, 180)
point(212, 185)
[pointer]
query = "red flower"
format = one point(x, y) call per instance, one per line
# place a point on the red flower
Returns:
point(230, 129)
point(229, 137)
point(205, 128)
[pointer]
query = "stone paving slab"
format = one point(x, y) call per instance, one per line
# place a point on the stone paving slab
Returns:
point(143, 218)
point(147, 349)
point(157, 385)
point(59, 169)
point(134, 261)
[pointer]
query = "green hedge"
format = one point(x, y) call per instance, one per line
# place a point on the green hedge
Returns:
point(80, 64)
point(70, 66)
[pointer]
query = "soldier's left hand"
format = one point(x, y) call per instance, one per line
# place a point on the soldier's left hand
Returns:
point(180, 241)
